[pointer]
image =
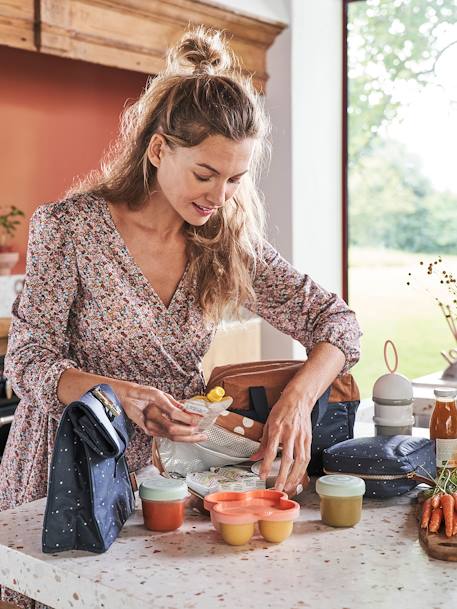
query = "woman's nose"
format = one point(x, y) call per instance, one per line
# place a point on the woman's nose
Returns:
point(218, 194)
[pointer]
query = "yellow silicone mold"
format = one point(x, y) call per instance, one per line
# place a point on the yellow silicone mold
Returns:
point(235, 515)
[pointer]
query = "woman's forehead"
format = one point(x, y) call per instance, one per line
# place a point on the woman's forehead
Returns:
point(222, 154)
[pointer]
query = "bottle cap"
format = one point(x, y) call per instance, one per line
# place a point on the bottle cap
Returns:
point(216, 394)
point(445, 392)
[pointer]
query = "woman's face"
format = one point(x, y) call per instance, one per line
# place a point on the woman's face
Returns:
point(198, 181)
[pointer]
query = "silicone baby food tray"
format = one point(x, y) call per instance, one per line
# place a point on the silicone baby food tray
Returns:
point(235, 514)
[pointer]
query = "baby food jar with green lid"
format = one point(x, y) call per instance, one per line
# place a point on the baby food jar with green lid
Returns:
point(341, 499)
point(163, 501)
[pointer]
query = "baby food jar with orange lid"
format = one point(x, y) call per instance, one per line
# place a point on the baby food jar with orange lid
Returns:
point(341, 499)
point(163, 501)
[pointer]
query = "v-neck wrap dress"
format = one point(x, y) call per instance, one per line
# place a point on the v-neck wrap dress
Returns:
point(87, 305)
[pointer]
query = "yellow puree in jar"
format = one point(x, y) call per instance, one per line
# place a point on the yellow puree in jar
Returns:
point(341, 511)
point(275, 531)
point(237, 534)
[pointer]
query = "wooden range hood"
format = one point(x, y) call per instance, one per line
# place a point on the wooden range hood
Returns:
point(130, 34)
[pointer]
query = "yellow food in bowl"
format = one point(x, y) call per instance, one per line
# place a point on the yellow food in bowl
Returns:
point(236, 534)
point(275, 531)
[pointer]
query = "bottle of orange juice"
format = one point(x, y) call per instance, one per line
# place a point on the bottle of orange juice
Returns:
point(443, 428)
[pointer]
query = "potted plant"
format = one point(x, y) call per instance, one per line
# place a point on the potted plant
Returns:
point(8, 225)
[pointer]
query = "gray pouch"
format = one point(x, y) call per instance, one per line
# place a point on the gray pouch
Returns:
point(388, 465)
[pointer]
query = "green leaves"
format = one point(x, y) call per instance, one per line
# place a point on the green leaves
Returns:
point(393, 49)
point(390, 42)
point(8, 224)
point(394, 205)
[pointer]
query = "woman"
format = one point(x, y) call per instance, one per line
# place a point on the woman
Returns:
point(128, 277)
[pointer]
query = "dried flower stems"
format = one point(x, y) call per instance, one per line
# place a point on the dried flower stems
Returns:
point(449, 283)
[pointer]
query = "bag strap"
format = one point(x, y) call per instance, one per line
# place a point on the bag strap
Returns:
point(259, 408)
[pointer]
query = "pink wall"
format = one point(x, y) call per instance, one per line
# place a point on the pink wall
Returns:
point(57, 116)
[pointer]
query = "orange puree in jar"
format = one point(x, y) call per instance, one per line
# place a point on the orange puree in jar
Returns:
point(163, 501)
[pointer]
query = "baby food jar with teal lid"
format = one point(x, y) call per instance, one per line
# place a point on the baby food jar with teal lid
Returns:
point(341, 499)
point(163, 501)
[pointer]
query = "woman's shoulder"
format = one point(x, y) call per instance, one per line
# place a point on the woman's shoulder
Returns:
point(72, 212)
point(266, 253)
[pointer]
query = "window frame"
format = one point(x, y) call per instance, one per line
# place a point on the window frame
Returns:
point(344, 160)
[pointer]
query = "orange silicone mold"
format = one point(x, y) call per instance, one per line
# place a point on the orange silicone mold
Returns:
point(234, 515)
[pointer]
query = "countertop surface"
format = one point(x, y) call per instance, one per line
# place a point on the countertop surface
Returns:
point(377, 564)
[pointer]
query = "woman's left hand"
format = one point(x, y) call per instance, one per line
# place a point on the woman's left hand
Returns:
point(289, 426)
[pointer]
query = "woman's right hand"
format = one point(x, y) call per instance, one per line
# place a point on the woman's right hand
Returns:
point(158, 414)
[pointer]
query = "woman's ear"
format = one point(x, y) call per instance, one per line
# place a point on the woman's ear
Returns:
point(156, 149)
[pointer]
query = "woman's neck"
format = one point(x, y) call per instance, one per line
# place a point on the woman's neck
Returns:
point(158, 217)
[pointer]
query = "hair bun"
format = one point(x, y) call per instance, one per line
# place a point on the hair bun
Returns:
point(201, 51)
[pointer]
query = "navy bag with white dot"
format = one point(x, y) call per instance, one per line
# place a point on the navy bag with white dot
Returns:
point(388, 464)
point(90, 495)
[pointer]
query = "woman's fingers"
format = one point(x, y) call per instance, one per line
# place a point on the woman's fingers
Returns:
point(297, 474)
point(159, 414)
point(174, 410)
point(149, 397)
point(287, 460)
point(159, 425)
point(270, 449)
point(175, 403)
point(156, 419)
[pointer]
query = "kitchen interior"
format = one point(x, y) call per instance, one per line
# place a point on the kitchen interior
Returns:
point(68, 69)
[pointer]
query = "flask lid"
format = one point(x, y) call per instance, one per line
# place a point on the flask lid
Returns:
point(445, 392)
point(340, 485)
point(392, 388)
point(163, 489)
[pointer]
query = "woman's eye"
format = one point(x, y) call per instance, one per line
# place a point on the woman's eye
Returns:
point(234, 181)
point(201, 178)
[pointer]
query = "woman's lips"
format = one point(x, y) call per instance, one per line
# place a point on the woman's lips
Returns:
point(203, 211)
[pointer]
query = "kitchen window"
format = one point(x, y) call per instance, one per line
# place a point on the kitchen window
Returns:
point(400, 184)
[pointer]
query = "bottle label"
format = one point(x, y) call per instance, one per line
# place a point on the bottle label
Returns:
point(446, 453)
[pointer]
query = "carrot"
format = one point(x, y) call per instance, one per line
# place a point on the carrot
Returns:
point(454, 530)
point(436, 500)
point(447, 503)
point(455, 500)
point(426, 513)
point(435, 520)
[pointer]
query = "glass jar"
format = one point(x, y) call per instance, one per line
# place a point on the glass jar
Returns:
point(163, 501)
point(443, 428)
point(341, 499)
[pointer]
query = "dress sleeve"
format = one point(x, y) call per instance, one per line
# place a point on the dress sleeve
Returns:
point(38, 344)
point(296, 305)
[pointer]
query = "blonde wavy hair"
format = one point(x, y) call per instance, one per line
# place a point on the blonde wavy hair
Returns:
point(201, 92)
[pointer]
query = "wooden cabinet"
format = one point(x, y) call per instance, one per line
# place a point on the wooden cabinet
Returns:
point(130, 34)
point(5, 323)
point(17, 24)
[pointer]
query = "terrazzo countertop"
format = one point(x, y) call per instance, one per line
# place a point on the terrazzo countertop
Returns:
point(377, 564)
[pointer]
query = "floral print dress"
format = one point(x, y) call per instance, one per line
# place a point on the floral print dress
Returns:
point(86, 304)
